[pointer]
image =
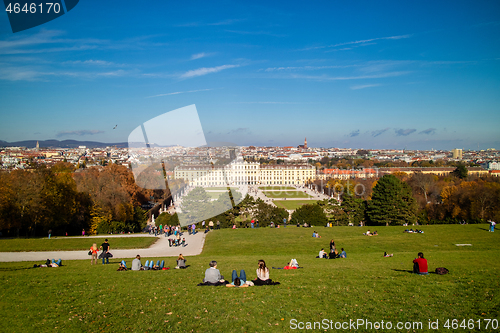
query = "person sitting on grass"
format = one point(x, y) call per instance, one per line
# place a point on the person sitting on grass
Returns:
point(136, 263)
point(240, 281)
point(343, 254)
point(213, 276)
point(368, 233)
point(322, 254)
point(333, 254)
point(181, 262)
point(420, 265)
point(375, 233)
point(388, 255)
point(263, 275)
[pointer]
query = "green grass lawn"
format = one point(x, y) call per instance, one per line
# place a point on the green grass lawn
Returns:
point(276, 188)
point(293, 204)
point(219, 188)
point(71, 244)
point(79, 297)
point(286, 194)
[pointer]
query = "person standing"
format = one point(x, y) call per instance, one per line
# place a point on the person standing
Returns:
point(94, 249)
point(218, 224)
point(193, 229)
point(50, 233)
point(83, 232)
point(211, 225)
point(105, 250)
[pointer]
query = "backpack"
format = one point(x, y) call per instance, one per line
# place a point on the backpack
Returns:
point(442, 271)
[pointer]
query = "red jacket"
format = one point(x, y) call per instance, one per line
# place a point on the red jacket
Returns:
point(422, 264)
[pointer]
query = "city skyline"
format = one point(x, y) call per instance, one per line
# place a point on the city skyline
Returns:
point(350, 75)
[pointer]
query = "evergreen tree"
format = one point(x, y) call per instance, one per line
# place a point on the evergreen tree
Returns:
point(353, 207)
point(267, 214)
point(461, 172)
point(392, 202)
point(196, 206)
point(310, 214)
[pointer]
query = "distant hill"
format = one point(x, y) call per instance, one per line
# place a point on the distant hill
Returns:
point(61, 144)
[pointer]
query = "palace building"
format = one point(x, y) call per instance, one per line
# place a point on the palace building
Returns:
point(240, 172)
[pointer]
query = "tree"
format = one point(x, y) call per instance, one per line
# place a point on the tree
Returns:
point(392, 202)
point(267, 214)
point(353, 207)
point(196, 206)
point(312, 214)
point(460, 172)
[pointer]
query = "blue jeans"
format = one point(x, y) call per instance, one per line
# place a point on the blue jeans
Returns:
point(242, 277)
point(107, 260)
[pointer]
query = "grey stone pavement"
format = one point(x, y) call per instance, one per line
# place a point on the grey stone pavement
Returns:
point(194, 246)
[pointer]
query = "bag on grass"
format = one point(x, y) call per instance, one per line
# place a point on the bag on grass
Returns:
point(90, 252)
point(442, 271)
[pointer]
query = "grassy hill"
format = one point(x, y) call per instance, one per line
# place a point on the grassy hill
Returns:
point(365, 286)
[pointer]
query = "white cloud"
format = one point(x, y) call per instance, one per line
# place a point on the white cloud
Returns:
point(363, 86)
point(201, 55)
point(205, 71)
point(180, 92)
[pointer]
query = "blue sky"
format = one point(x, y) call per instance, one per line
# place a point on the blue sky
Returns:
point(385, 74)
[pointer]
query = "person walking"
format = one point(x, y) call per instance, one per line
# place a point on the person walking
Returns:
point(94, 249)
point(105, 250)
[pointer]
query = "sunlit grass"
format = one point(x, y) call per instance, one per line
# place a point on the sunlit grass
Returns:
point(79, 297)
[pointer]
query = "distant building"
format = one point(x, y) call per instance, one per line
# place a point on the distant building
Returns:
point(304, 146)
point(240, 172)
point(457, 153)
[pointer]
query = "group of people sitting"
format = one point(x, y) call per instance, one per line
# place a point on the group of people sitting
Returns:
point(50, 263)
point(213, 277)
point(150, 265)
point(369, 233)
point(316, 235)
point(416, 231)
point(334, 253)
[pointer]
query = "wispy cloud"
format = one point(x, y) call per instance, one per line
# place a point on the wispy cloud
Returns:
point(78, 133)
point(91, 62)
point(205, 71)
point(379, 132)
point(363, 42)
point(363, 86)
point(241, 130)
point(51, 41)
point(179, 92)
point(428, 131)
point(354, 133)
point(353, 77)
point(307, 68)
point(201, 55)
point(404, 132)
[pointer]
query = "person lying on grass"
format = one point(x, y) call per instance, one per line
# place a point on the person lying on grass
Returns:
point(239, 281)
point(50, 263)
point(388, 255)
